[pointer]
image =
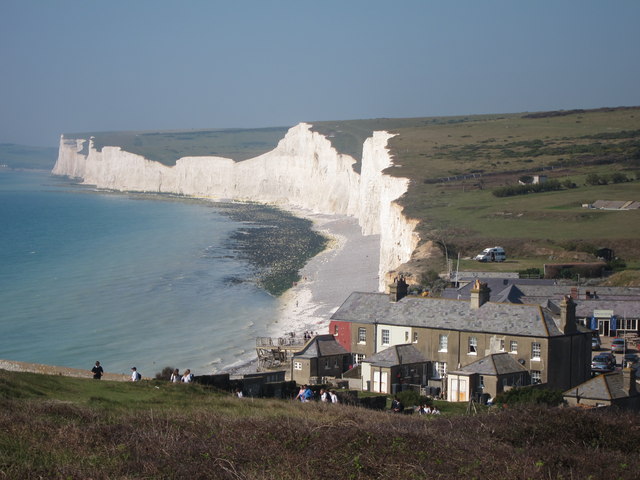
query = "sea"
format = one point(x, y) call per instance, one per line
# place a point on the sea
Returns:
point(126, 279)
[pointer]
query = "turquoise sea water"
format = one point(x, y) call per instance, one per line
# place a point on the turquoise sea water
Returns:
point(124, 279)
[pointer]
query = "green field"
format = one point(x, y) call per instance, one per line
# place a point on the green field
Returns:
point(455, 164)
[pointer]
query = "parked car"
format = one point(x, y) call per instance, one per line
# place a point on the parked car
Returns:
point(595, 343)
point(603, 362)
point(630, 358)
point(618, 345)
point(492, 254)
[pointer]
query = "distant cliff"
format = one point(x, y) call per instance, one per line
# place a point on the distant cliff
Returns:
point(304, 170)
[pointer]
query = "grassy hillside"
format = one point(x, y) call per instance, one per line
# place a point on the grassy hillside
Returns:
point(58, 427)
point(456, 163)
point(23, 156)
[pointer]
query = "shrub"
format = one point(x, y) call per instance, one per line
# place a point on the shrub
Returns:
point(165, 374)
point(529, 395)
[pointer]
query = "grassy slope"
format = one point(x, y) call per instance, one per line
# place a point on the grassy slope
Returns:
point(57, 427)
point(498, 149)
point(22, 156)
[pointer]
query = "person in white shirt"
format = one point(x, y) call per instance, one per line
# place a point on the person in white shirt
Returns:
point(187, 377)
point(334, 397)
point(135, 376)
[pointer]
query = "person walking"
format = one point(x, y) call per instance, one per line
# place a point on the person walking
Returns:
point(97, 371)
point(135, 376)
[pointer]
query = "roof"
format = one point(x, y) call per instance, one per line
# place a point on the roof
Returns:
point(495, 364)
point(448, 314)
point(321, 346)
point(397, 355)
point(607, 386)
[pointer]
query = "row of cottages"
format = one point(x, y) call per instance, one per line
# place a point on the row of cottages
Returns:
point(460, 348)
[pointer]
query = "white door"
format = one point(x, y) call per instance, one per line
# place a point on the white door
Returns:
point(458, 390)
point(376, 381)
point(384, 383)
point(462, 390)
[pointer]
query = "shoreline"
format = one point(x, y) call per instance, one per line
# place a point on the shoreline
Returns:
point(348, 264)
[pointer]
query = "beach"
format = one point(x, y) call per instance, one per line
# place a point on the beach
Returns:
point(348, 264)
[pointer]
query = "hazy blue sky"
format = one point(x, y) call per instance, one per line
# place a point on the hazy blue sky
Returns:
point(85, 65)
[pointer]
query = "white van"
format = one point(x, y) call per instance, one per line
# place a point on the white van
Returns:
point(491, 254)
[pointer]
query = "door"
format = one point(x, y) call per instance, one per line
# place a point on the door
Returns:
point(376, 381)
point(384, 382)
point(462, 390)
point(458, 390)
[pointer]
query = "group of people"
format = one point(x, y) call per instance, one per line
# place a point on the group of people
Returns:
point(427, 410)
point(305, 394)
point(186, 377)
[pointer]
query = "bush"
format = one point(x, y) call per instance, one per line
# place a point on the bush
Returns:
point(529, 395)
point(165, 374)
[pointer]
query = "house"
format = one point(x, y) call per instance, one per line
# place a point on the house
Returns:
point(452, 333)
point(487, 376)
point(611, 389)
point(387, 371)
point(320, 359)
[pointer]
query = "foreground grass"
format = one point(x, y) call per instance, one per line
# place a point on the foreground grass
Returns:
point(139, 431)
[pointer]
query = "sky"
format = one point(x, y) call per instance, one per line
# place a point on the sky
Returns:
point(69, 66)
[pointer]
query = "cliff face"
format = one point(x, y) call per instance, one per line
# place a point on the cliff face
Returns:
point(304, 171)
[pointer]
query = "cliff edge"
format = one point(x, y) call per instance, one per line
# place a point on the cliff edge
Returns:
point(303, 171)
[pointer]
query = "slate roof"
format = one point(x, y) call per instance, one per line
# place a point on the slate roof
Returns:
point(607, 386)
point(321, 346)
point(397, 355)
point(493, 365)
point(447, 314)
point(624, 301)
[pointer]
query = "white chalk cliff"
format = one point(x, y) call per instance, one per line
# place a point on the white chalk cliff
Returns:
point(303, 171)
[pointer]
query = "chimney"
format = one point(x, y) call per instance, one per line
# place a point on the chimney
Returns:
point(479, 294)
point(567, 315)
point(629, 381)
point(398, 289)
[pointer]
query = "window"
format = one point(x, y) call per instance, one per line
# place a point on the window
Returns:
point(502, 344)
point(473, 346)
point(513, 346)
point(358, 358)
point(536, 377)
point(335, 329)
point(297, 365)
point(535, 351)
point(362, 335)
point(385, 337)
point(481, 382)
point(406, 337)
point(439, 369)
point(442, 345)
point(415, 337)
point(327, 364)
point(336, 362)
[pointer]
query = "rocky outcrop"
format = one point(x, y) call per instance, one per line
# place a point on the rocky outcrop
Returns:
point(303, 171)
